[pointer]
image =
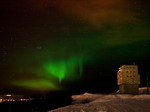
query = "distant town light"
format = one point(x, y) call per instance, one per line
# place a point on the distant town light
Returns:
point(8, 94)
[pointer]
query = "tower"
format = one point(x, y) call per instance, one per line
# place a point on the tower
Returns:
point(128, 79)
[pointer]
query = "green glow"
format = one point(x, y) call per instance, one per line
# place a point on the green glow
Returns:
point(63, 61)
point(36, 84)
point(65, 69)
point(48, 75)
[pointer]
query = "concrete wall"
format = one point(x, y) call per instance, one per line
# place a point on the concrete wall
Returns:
point(129, 89)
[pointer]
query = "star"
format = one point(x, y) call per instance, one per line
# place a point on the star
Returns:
point(39, 47)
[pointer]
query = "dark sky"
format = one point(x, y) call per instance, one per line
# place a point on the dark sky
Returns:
point(51, 45)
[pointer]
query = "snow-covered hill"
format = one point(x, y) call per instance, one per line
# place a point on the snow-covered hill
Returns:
point(107, 103)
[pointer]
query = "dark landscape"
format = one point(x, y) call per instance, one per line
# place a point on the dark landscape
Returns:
point(37, 104)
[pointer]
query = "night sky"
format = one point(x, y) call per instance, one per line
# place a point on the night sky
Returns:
point(71, 45)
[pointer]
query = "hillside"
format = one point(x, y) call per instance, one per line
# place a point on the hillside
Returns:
point(107, 103)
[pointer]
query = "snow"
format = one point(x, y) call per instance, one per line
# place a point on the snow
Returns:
point(107, 103)
point(143, 90)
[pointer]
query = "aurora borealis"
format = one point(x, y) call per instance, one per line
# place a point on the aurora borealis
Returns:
point(44, 43)
point(63, 68)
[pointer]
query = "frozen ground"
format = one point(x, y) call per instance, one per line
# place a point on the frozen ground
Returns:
point(107, 103)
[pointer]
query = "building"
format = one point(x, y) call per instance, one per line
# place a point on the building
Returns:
point(128, 79)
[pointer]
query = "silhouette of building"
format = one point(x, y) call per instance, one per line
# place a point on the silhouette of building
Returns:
point(128, 79)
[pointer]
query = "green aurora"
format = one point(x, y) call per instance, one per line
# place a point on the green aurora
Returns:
point(65, 69)
point(47, 69)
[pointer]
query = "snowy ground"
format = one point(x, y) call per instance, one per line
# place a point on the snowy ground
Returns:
point(107, 103)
